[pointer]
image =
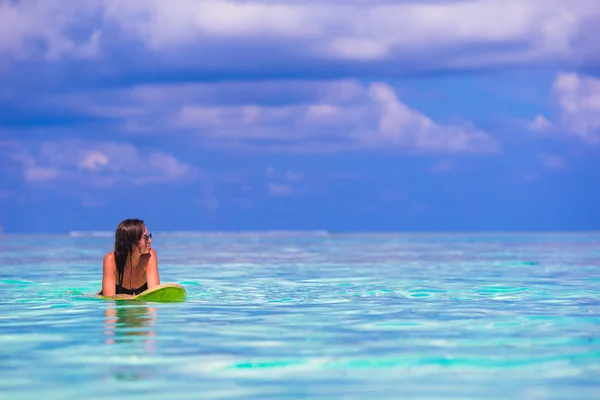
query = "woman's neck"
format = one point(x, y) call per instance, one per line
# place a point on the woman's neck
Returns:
point(135, 257)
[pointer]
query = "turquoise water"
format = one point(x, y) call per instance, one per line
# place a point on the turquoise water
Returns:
point(307, 315)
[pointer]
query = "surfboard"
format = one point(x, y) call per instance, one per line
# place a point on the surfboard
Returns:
point(165, 293)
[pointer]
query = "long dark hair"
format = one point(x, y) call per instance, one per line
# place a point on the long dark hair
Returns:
point(128, 234)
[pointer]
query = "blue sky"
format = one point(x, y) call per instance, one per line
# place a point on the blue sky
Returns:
point(314, 115)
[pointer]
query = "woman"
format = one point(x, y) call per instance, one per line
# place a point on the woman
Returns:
point(133, 266)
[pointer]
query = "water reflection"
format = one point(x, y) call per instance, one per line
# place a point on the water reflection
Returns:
point(130, 324)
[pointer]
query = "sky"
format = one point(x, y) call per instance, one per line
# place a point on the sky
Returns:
point(247, 115)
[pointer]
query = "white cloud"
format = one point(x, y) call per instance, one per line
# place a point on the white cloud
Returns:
point(577, 98)
point(280, 190)
point(290, 116)
point(33, 174)
point(98, 165)
point(401, 126)
point(94, 160)
point(553, 162)
point(364, 30)
point(231, 18)
point(41, 27)
point(442, 166)
point(359, 49)
point(162, 24)
point(32, 171)
point(372, 118)
point(540, 124)
point(410, 33)
point(284, 183)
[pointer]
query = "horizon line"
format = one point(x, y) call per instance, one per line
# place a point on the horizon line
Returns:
point(311, 232)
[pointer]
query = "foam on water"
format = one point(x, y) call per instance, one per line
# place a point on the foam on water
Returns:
point(308, 315)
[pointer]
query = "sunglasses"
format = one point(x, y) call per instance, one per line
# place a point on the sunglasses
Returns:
point(147, 237)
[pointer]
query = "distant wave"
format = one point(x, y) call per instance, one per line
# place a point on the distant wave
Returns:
point(244, 233)
point(91, 233)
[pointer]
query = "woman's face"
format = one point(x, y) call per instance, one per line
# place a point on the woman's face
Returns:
point(146, 242)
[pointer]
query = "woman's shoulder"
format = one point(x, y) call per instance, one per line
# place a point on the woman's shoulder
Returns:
point(109, 266)
point(149, 256)
point(109, 257)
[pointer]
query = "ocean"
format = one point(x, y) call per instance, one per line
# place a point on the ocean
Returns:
point(295, 315)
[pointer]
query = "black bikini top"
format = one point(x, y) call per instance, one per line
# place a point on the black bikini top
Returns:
point(121, 290)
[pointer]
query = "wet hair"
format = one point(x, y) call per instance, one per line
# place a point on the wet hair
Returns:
point(128, 234)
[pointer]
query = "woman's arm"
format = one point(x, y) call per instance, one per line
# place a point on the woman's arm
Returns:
point(152, 276)
point(108, 275)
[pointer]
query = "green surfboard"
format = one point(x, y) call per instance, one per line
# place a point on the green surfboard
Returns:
point(165, 293)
